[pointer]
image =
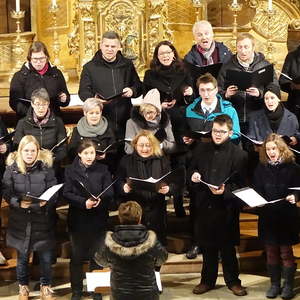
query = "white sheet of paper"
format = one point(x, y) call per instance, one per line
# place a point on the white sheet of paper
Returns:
point(50, 192)
point(137, 101)
point(75, 100)
point(102, 279)
point(250, 196)
point(296, 188)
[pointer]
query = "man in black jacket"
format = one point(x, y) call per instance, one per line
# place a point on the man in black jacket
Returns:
point(216, 170)
point(113, 78)
point(245, 60)
point(132, 252)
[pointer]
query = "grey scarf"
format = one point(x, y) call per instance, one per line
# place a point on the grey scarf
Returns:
point(86, 130)
point(208, 53)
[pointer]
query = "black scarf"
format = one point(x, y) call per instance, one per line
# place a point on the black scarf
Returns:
point(275, 117)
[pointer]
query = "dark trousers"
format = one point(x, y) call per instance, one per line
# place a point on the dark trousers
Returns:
point(45, 258)
point(209, 272)
point(83, 248)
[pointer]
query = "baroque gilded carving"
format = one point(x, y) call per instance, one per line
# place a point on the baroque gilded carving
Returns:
point(295, 24)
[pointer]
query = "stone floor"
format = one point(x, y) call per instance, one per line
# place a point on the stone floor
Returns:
point(176, 286)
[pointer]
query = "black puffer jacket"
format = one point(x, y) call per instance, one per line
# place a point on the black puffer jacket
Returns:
point(25, 81)
point(242, 102)
point(31, 228)
point(95, 178)
point(132, 253)
point(101, 77)
point(48, 135)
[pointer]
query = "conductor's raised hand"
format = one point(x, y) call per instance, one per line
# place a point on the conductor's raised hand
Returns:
point(218, 191)
point(196, 177)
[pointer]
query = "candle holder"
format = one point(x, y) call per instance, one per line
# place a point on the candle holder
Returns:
point(269, 53)
point(53, 9)
point(200, 5)
point(235, 8)
point(17, 48)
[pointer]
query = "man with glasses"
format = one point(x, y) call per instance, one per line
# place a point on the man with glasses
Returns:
point(37, 73)
point(217, 168)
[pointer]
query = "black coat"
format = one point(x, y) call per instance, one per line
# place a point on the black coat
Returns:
point(95, 178)
point(153, 204)
point(25, 81)
point(279, 222)
point(30, 229)
point(291, 67)
point(101, 77)
point(259, 125)
point(132, 253)
point(242, 102)
point(3, 132)
point(48, 135)
point(218, 215)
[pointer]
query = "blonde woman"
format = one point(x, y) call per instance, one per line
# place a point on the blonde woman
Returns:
point(31, 225)
point(277, 225)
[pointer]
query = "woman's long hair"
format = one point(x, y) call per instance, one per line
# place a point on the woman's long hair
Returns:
point(155, 64)
point(45, 156)
point(285, 153)
point(152, 139)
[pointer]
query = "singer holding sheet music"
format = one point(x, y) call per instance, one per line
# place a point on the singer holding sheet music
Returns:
point(31, 225)
point(220, 163)
point(245, 60)
point(289, 81)
point(146, 161)
point(95, 126)
point(278, 224)
point(44, 125)
point(87, 215)
point(36, 73)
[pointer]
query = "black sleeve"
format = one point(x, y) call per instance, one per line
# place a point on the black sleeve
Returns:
point(63, 89)
point(85, 85)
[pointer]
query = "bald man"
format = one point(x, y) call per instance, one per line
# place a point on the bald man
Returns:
point(206, 51)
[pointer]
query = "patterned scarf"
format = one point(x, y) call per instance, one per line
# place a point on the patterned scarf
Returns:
point(208, 53)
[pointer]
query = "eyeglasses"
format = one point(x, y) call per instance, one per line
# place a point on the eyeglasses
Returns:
point(219, 132)
point(150, 113)
point(208, 91)
point(165, 53)
point(41, 104)
point(38, 59)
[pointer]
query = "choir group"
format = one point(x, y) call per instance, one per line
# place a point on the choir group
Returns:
point(197, 115)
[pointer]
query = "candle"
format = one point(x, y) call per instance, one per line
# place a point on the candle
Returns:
point(234, 3)
point(17, 5)
point(53, 2)
point(270, 5)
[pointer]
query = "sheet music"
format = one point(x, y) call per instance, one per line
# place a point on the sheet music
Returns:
point(102, 279)
point(75, 100)
point(46, 196)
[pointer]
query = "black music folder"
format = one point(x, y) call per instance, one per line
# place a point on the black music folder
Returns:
point(46, 196)
point(59, 143)
point(197, 135)
point(196, 71)
point(109, 147)
point(6, 138)
point(244, 80)
point(153, 185)
point(109, 98)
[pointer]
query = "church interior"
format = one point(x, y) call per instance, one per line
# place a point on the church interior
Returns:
point(72, 31)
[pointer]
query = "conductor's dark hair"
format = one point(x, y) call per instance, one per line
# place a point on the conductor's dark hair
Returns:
point(223, 119)
point(130, 213)
point(86, 143)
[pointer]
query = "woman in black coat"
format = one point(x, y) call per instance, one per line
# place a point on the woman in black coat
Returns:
point(44, 125)
point(146, 161)
point(278, 223)
point(88, 215)
point(31, 224)
point(93, 125)
point(37, 73)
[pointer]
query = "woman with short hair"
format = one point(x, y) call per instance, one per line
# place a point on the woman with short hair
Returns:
point(31, 224)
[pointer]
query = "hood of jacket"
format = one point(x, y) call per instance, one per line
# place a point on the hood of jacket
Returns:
point(142, 123)
point(258, 58)
point(130, 241)
point(25, 69)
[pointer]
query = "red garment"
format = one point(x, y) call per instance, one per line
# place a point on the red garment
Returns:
point(215, 55)
point(44, 70)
